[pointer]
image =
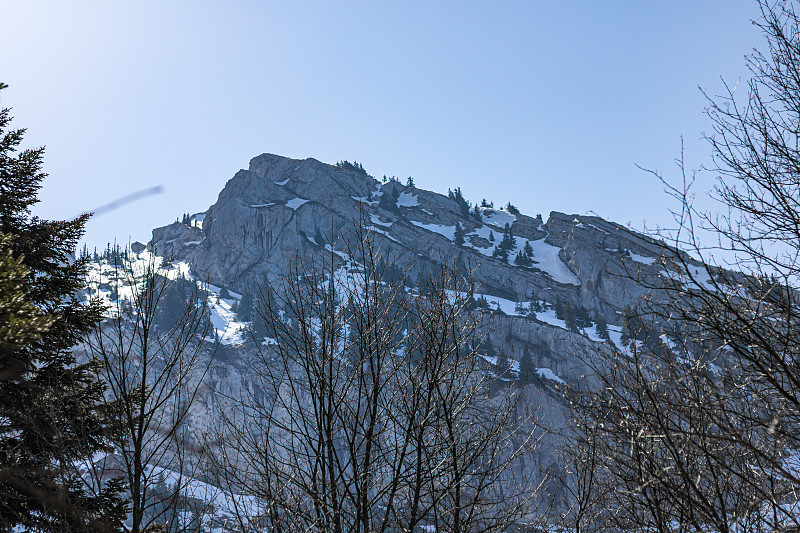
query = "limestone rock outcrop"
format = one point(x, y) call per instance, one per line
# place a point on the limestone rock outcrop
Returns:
point(282, 211)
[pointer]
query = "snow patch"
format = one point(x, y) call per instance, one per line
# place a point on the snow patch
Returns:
point(549, 317)
point(407, 200)
point(376, 219)
point(197, 220)
point(509, 307)
point(224, 321)
point(497, 217)
point(545, 257)
point(549, 374)
point(641, 258)
point(445, 231)
point(493, 360)
point(384, 233)
point(376, 195)
point(224, 504)
point(598, 229)
point(341, 254)
point(294, 203)
point(615, 333)
point(484, 232)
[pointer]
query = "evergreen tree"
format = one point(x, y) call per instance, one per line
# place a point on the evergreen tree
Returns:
point(559, 308)
point(506, 245)
point(476, 213)
point(355, 167)
point(245, 308)
point(458, 235)
point(173, 303)
point(388, 201)
point(528, 250)
point(625, 337)
point(601, 328)
point(51, 407)
point(259, 327)
point(318, 238)
point(503, 365)
point(527, 372)
point(21, 322)
point(522, 260)
point(458, 198)
point(491, 236)
point(410, 182)
point(570, 320)
point(264, 307)
point(511, 208)
point(487, 347)
point(582, 317)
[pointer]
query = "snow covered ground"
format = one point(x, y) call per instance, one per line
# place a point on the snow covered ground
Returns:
point(111, 284)
point(407, 200)
point(496, 217)
point(294, 203)
point(543, 372)
point(445, 231)
point(545, 256)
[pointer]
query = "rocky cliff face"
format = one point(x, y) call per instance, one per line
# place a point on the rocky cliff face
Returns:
point(547, 289)
point(281, 211)
point(553, 290)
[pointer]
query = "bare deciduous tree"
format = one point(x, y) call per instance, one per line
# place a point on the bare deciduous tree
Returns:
point(370, 410)
point(700, 416)
point(152, 355)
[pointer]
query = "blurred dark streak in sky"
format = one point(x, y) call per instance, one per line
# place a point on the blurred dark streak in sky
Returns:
point(133, 197)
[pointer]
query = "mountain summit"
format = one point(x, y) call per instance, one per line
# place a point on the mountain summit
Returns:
point(551, 294)
point(554, 288)
point(282, 210)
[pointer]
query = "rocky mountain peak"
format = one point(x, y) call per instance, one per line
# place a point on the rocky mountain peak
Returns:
point(282, 210)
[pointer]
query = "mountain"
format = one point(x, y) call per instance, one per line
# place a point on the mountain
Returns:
point(282, 211)
point(556, 290)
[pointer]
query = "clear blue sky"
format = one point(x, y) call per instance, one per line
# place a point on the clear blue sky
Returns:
point(548, 104)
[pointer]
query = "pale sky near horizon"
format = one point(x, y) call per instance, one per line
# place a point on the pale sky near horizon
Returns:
point(549, 105)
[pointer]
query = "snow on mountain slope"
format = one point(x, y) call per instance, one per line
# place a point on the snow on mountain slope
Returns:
point(282, 212)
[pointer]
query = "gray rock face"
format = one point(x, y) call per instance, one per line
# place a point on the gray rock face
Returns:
point(281, 211)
